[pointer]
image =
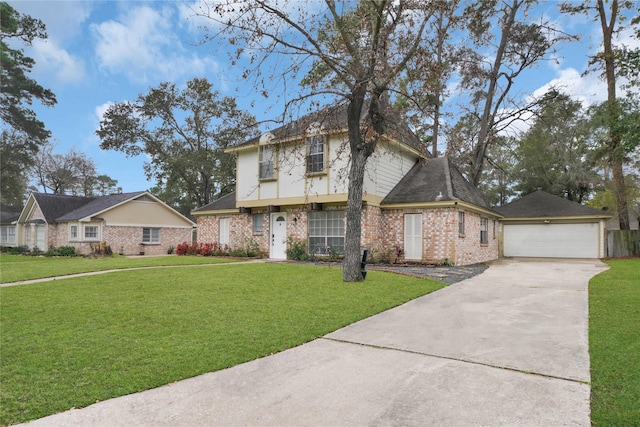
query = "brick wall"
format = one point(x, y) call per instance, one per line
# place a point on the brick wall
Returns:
point(122, 239)
point(382, 231)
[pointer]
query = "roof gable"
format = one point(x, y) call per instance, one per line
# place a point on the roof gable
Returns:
point(543, 204)
point(333, 118)
point(434, 180)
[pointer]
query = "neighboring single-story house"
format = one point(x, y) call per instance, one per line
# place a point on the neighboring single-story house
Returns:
point(292, 186)
point(8, 226)
point(543, 225)
point(130, 223)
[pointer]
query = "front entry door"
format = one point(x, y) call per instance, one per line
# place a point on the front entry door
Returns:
point(278, 247)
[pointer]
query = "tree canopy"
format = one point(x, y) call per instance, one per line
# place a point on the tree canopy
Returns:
point(184, 133)
point(17, 90)
point(71, 173)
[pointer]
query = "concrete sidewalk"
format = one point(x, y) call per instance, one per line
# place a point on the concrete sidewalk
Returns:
point(508, 347)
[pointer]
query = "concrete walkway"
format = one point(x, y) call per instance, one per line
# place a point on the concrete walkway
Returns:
point(505, 348)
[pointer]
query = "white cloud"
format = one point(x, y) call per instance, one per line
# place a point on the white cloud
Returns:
point(145, 45)
point(56, 62)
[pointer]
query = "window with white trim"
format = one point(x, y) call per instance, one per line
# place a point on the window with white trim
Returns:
point(315, 154)
point(484, 227)
point(326, 232)
point(461, 223)
point(91, 232)
point(150, 235)
point(267, 161)
point(8, 234)
point(73, 232)
point(258, 221)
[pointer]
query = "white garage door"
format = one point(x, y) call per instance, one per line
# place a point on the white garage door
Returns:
point(551, 240)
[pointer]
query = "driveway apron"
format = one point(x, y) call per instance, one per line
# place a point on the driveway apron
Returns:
point(506, 348)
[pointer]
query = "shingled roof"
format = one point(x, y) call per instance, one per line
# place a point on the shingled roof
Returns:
point(334, 118)
point(60, 207)
point(434, 180)
point(224, 202)
point(542, 204)
point(56, 205)
point(7, 215)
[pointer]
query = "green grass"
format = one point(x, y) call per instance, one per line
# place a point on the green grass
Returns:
point(15, 268)
point(614, 344)
point(73, 342)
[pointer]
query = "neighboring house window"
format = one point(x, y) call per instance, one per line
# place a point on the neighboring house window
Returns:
point(91, 232)
point(315, 154)
point(8, 234)
point(150, 235)
point(267, 161)
point(258, 220)
point(484, 226)
point(73, 232)
point(326, 232)
point(461, 223)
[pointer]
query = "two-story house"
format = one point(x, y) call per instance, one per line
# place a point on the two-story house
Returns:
point(292, 185)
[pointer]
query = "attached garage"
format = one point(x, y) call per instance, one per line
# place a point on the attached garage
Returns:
point(552, 240)
point(546, 226)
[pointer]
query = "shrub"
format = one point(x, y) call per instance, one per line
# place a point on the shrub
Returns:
point(296, 249)
point(171, 249)
point(67, 251)
point(182, 248)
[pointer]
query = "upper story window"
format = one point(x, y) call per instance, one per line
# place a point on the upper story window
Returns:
point(315, 154)
point(267, 161)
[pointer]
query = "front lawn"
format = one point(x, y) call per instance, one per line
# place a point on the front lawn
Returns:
point(73, 342)
point(614, 344)
point(15, 268)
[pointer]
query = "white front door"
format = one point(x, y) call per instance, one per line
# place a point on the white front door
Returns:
point(278, 247)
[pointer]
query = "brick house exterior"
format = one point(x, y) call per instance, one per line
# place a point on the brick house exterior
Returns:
point(412, 204)
point(129, 223)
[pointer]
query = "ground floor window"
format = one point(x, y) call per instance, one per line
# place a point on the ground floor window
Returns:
point(326, 232)
point(258, 220)
point(461, 223)
point(224, 231)
point(73, 232)
point(8, 234)
point(150, 235)
point(91, 232)
point(484, 226)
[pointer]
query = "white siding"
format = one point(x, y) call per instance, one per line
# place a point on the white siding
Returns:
point(247, 175)
point(384, 170)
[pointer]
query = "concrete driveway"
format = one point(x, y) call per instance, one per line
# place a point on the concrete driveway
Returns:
point(505, 348)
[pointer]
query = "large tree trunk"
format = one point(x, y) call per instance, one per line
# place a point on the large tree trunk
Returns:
point(362, 146)
point(616, 156)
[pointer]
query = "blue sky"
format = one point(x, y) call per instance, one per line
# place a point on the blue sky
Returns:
point(102, 52)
